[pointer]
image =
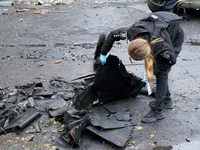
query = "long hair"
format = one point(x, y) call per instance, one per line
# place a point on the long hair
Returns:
point(140, 49)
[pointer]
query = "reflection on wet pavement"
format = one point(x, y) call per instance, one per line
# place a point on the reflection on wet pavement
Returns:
point(195, 145)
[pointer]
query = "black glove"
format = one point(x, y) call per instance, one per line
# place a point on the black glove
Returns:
point(166, 57)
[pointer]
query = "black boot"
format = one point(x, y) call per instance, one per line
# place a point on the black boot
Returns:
point(168, 104)
point(153, 116)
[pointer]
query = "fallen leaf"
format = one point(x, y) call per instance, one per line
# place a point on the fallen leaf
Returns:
point(53, 147)
point(55, 122)
point(138, 128)
point(44, 131)
point(50, 121)
point(26, 142)
point(107, 115)
point(62, 128)
point(46, 145)
point(151, 135)
point(132, 142)
point(54, 131)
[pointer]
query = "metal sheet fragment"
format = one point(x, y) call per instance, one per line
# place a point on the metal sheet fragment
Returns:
point(123, 116)
point(58, 108)
point(21, 121)
point(119, 137)
point(107, 122)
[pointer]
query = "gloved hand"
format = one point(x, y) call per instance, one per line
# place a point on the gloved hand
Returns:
point(103, 59)
point(166, 56)
point(144, 79)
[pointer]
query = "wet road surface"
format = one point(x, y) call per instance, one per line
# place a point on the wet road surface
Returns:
point(31, 44)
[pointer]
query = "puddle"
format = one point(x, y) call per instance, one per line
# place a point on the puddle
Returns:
point(184, 146)
point(187, 146)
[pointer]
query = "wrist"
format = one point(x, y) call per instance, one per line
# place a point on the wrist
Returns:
point(103, 53)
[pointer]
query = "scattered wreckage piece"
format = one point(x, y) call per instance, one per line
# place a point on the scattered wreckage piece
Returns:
point(86, 98)
point(23, 98)
point(2, 105)
point(6, 116)
point(12, 98)
point(112, 82)
point(57, 108)
point(58, 84)
point(46, 89)
point(115, 128)
point(26, 89)
point(102, 121)
point(36, 129)
point(21, 121)
point(60, 143)
point(122, 116)
point(74, 135)
point(32, 102)
point(85, 77)
point(88, 79)
point(77, 120)
point(112, 108)
point(43, 89)
point(119, 137)
point(75, 123)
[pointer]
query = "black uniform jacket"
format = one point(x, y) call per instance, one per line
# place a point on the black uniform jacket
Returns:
point(169, 4)
point(144, 29)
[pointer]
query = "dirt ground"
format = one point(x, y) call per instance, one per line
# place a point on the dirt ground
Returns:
point(60, 40)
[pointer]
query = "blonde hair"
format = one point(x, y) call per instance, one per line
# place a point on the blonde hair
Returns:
point(140, 49)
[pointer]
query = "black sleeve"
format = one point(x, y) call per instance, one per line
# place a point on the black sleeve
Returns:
point(115, 35)
point(162, 49)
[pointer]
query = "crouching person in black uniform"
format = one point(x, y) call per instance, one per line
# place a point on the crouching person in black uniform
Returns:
point(157, 40)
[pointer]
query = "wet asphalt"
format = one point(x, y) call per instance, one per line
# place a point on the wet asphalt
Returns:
point(62, 40)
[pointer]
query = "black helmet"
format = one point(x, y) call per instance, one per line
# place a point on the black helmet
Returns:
point(155, 5)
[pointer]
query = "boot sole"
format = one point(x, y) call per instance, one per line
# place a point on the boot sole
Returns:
point(168, 107)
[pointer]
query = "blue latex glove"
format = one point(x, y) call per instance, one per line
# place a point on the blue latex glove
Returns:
point(103, 59)
point(144, 79)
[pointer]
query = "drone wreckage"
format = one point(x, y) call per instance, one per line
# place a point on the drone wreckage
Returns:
point(73, 103)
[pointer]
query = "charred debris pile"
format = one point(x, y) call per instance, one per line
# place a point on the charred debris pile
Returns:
point(85, 104)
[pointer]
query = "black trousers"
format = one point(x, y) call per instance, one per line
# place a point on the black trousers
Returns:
point(162, 89)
